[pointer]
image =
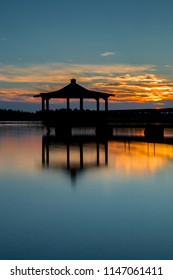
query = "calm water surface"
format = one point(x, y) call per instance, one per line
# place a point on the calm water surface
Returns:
point(84, 201)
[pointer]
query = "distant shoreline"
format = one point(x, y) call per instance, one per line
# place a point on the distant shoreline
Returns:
point(20, 122)
point(12, 115)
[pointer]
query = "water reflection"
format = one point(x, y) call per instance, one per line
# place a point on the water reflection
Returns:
point(127, 157)
point(139, 159)
point(121, 207)
point(75, 156)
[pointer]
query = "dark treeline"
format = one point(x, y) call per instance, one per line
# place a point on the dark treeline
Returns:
point(17, 115)
point(135, 115)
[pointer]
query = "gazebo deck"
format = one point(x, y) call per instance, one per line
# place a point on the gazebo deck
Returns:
point(64, 121)
point(74, 118)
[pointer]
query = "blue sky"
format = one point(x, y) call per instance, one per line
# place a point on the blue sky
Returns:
point(118, 46)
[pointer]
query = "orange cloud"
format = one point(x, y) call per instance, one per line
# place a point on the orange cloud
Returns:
point(129, 83)
point(17, 94)
point(138, 88)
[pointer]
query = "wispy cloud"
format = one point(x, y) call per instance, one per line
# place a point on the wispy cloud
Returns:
point(61, 72)
point(17, 94)
point(168, 66)
point(107, 53)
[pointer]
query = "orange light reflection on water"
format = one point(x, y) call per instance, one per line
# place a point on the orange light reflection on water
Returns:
point(137, 158)
point(23, 153)
point(19, 153)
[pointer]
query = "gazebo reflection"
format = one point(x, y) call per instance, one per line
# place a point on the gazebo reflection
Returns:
point(75, 156)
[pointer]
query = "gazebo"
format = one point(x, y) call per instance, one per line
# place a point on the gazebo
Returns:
point(73, 91)
point(65, 120)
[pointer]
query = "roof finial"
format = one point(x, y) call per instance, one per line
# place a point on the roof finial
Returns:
point(73, 81)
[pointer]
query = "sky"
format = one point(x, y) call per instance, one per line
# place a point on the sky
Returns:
point(123, 47)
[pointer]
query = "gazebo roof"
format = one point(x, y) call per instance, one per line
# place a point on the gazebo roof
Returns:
point(73, 90)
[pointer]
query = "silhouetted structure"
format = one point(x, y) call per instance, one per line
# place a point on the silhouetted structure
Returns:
point(74, 91)
point(154, 121)
point(64, 120)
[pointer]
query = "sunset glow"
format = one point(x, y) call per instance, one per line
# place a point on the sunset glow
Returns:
point(20, 84)
point(86, 138)
point(125, 54)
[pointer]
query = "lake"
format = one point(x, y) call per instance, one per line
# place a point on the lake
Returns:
point(110, 200)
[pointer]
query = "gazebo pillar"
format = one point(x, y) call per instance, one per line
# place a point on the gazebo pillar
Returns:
point(42, 102)
point(68, 104)
point(106, 104)
point(98, 105)
point(81, 104)
point(47, 104)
